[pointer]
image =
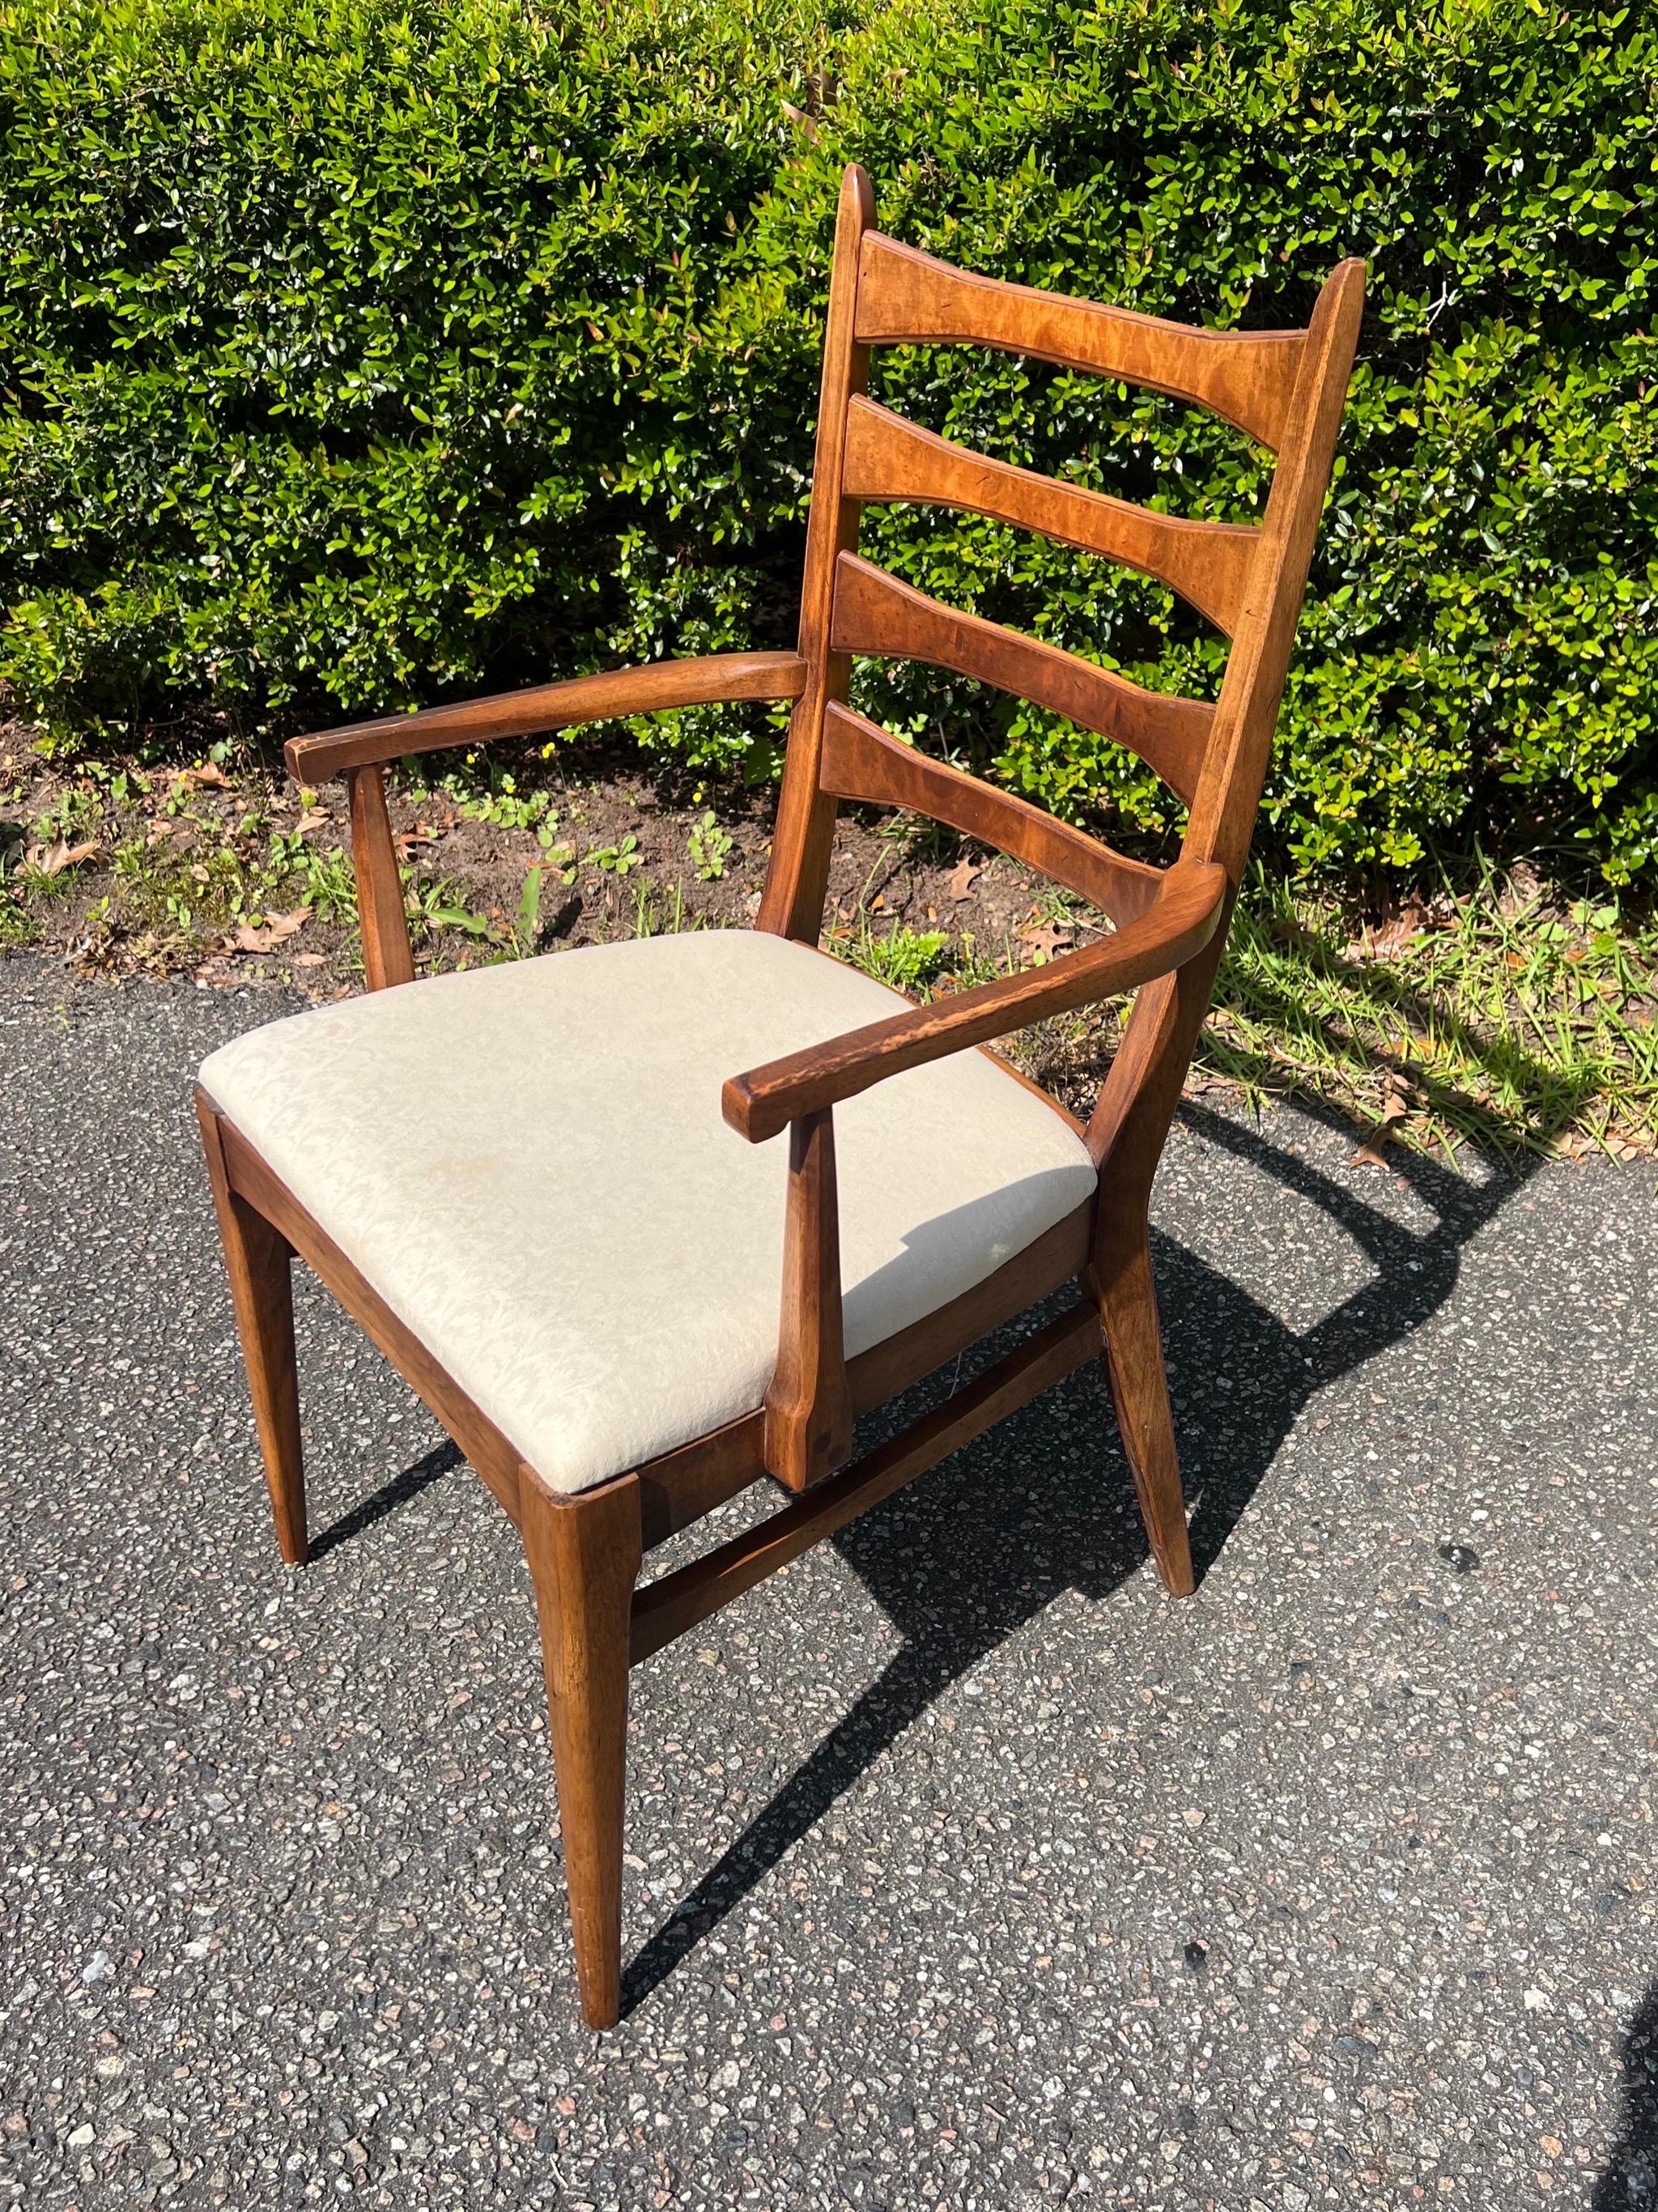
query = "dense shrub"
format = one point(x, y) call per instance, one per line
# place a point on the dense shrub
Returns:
point(362, 354)
point(356, 349)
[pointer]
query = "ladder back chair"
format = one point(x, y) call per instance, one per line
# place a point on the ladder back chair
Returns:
point(528, 1186)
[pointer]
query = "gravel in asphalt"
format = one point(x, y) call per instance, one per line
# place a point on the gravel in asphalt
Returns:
point(963, 1868)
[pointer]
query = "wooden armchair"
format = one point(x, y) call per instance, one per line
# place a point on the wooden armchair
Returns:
point(519, 1181)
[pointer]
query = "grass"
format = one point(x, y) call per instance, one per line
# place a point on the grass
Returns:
point(1489, 1016)
point(1488, 1012)
point(913, 961)
point(1497, 1018)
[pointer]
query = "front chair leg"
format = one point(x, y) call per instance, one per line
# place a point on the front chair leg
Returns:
point(259, 1261)
point(584, 1554)
point(1127, 1301)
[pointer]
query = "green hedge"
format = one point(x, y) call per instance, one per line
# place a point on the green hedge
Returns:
point(362, 354)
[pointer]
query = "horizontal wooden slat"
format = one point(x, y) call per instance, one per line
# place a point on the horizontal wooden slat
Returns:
point(1248, 378)
point(667, 1607)
point(874, 613)
point(862, 761)
point(1207, 563)
point(720, 678)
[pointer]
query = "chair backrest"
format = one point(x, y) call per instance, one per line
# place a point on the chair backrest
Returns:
point(1284, 388)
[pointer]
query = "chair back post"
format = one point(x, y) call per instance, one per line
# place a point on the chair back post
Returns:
point(797, 880)
point(1223, 812)
point(808, 1431)
point(1137, 1102)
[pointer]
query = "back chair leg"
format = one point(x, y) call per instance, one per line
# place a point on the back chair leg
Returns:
point(1127, 1301)
point(584, 1554)
point(259, 1259)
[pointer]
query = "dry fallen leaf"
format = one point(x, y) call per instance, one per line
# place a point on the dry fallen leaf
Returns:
point(310, 960)
point(959, 881)
point(277, 927)
point(1412, 921)
point(52, 859)
point(1394, 1108)
point(210, 772)
point(1044, 937)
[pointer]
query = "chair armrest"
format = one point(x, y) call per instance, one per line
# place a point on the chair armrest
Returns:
point(721, 678)
point(1181, 922)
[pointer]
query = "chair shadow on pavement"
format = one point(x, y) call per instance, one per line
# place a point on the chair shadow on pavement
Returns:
point(1630, 2183)
point(1075, 1526)
point(387, 1499)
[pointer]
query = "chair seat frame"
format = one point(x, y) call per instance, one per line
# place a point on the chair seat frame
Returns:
point(585, 1550)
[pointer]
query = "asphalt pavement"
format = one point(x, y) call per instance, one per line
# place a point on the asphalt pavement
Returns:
point(964, 1868)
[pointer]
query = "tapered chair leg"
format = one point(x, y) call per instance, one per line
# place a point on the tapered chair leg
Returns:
point(584, 1555)
point(1140, 1388)
point(260, 1262)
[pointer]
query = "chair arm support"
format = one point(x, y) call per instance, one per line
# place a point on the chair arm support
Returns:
point(808, 1427)
point(721, 678)
point(760, 1104)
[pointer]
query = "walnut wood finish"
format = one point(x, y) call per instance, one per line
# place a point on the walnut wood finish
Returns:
point(874, 613)
point(259, 1259)
point(766, 1099)
point(583, 1566)
point(1246, 714)
point(1127, 1301)
point(863, 761)
point(721, 678)
point(1284, 389)
point(386, 957)
point(906, 298)
point(1206, 563)
point(792, 904)
point(809, 1406)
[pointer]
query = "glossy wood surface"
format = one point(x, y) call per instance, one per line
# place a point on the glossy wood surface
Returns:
point(259, 1261)
point(1246, 714)
point(763, 1100)
point(876, 614)
point(583, 1565)
point(609, 697)
point(387, 955)
point(906, 298)
point(1206, 563)
point(863, 761)
point(792, 903)
point(808, 1430)
point(1128, 1299)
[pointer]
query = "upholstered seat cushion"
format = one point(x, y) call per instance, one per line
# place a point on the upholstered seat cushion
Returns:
point(529, 1165)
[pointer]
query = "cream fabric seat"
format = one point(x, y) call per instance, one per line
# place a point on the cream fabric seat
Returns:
point(528, 1163)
